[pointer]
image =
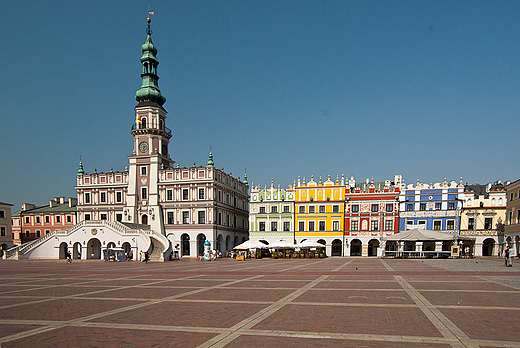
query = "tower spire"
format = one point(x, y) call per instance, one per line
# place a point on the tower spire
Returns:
point(210, 159)
point(149, 90)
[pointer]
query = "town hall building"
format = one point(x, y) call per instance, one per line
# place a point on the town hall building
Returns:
point(155, 205)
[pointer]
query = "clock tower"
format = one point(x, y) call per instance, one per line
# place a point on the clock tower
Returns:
point(151, 137)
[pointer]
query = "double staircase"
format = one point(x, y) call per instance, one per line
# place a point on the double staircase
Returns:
point(159, 247)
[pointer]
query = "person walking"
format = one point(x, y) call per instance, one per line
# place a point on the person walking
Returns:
point(506, 257)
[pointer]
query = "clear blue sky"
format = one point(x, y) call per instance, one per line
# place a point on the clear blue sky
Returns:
point(426, 89)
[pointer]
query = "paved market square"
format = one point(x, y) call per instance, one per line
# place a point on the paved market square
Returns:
point(333, 302)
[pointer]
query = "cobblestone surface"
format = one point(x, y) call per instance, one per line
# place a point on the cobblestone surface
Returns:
point(334, 302)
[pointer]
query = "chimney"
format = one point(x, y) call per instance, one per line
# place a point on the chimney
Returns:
point(27, 206)
point(72, 202)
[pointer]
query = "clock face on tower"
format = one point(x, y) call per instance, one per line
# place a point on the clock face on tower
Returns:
point(143, 146)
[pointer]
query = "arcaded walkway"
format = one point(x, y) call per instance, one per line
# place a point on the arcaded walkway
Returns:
point(336, 302)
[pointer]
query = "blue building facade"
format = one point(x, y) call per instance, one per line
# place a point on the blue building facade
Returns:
point(434, 207)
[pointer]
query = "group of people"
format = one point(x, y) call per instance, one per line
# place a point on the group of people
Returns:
point(213, 255)
point(144, 256)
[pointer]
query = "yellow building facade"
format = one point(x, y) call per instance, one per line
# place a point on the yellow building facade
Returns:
point(320, 213)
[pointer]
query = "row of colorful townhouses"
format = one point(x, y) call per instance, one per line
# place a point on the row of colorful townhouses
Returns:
point(352, 218)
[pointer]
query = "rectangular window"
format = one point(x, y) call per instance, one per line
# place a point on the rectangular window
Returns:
point(185, 194)
point(438, 206)
point(37, 219)
point(302, 209)
point(170, 217)
point(321, 225)
point(373, 225)
point(58, 218)
point(202, 217)
point(301, 226)
point(185, 217)
point(103, 216)
point(274, 209)
point(87, 197)
point(471, 223)
point(69, 219)
point(119, 197)
point(311, 225)
point(103, 197)
point(2, 214)
point(437, 225)
point(335, 225)
point(47, 231)
point(335, 208)
point(47, 219)
point(322, 209)
point(389, 208)
point(354, 226)
point(87, 217)
point(286, 226)
point(2, 231)
point(451, 206)
point(144, 193)
point(274, 226)
point(27, 234)
point(375, 208)
point(488, 223)
point(27, 220)
point(422, 223)
point(355, 208)
point(38, 234)
point(119, 217)
point(389, 225)
point(169, 195)
point(261, 226)
point(262, 210)
point(286, 209)
point(409, 207)
point(450, 224)
point(311, 209)
point(201, 193)
point(143, 170)
point(422, 206)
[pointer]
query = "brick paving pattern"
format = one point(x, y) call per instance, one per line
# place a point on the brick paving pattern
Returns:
point(334, 302)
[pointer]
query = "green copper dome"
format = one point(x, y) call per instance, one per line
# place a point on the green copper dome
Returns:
point(80, 168)
point(210, 160)
point(149, 90)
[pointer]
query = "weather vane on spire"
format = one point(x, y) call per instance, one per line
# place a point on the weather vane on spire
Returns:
point(148, 20)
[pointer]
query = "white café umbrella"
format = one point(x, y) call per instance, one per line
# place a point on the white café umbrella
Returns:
point(249, 244)
point(307, 244)
point(281, 244)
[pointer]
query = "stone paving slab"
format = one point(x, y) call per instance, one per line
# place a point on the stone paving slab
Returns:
point(220, 315)
point(85, 337)
point(377, 320)
point(355, 296)
point(358, 284)
point(62, 309)
point(487, 323)
point(269, 342)
point(467, 298)
point(333, 302)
